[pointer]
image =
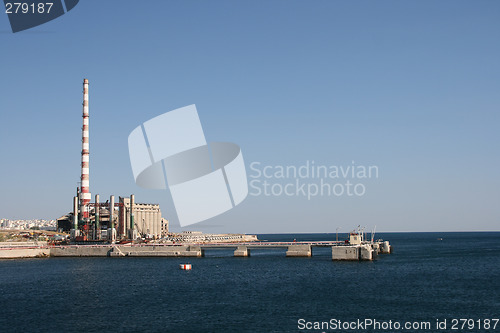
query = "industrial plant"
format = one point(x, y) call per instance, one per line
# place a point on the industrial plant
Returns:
point(109, 221)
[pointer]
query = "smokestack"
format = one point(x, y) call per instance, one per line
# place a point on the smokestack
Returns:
point(97, 210)
point(132, 202)
point(111, 229)
point(75, 212)
point(111, 211)
point(85, 195)
point(132, 231)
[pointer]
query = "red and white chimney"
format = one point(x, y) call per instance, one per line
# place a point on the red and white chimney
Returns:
point(85, 195)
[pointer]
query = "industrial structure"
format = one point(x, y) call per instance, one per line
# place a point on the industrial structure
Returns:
point(109, 221)
point(145, 220)
point(85, 195)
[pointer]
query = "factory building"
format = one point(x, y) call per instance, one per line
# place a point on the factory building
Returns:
point(147, 220)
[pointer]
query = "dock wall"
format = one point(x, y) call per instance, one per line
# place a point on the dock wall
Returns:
point(24, 253)
point(127, 251)
point(80, 251)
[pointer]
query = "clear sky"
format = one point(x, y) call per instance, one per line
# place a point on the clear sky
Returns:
point(412, 87)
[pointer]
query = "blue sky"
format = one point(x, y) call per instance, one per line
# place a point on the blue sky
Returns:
point(409, 86)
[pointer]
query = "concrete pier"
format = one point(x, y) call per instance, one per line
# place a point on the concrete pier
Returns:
point(161, 251)
point(242, 251)
point(299, 251)
point(366, 252)
point(345, 252)
point(79, 251)
point(126, 251)
point(385, 247)
point(340, 251)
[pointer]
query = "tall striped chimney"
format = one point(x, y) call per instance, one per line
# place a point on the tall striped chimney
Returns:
point(85, 195)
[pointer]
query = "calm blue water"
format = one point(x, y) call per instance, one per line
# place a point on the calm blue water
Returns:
point(423, 280)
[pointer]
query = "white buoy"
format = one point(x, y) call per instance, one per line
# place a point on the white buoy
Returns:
point(185, 266)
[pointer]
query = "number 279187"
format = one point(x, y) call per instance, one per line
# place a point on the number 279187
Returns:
point(25, 8)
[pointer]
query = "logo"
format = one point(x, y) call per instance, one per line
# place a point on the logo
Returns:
point(26, 14)
point(205, 180)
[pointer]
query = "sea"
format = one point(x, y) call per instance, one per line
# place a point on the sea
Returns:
point(432, 282)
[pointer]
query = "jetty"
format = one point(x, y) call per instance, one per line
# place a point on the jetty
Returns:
point(354, 249)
